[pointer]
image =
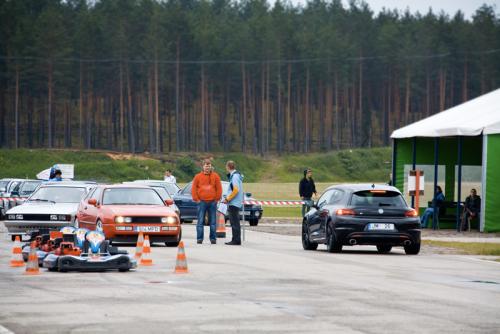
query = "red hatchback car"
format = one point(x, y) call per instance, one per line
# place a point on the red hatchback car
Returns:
point(122, 211)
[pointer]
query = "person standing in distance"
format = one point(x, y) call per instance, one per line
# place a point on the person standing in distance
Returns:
point(168, 177)
point(206, 191)
point(306, 190)
point(234, 201)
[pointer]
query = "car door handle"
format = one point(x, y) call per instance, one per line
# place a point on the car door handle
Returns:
point(85, 208)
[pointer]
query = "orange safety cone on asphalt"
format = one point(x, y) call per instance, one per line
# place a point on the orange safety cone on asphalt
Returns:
point(146, 259)
point(139, 246)
point(32, 265)
point(221, 226)
point(17, 254)
point(181, 263)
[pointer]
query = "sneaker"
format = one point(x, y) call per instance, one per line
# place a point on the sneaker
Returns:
point(199, 241)
point(213, 242)
point(232, 243)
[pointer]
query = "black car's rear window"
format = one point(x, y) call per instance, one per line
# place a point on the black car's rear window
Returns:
point(377, 198)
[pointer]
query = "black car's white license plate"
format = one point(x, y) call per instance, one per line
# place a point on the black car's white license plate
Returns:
point(380, 227)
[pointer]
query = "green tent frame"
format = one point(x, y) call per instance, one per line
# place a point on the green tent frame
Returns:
point(482, 150)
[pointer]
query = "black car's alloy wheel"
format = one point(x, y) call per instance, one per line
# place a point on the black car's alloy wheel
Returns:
point(412, 249)
point(384, 249)
point(306, 244)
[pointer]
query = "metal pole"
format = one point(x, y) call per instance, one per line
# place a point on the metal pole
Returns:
point(243, 223)
point(459, 183)
point(414, 167)
point(434, 204)
point(394, 156)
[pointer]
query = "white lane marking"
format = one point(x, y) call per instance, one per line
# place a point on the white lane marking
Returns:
point(4, 330)
point(481, 260)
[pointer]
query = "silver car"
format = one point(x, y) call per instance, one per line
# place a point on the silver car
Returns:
point(51, 206)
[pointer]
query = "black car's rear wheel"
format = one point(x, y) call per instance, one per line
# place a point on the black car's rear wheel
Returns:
point(332, 244)
point(306, 243)
point(384, 249)
point(412, 249)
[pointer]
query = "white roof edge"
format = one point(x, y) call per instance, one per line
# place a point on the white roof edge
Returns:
point(472, 118)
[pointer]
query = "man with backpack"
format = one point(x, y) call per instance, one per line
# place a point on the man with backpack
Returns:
point(234, 199)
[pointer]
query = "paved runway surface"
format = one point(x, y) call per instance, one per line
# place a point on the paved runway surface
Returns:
point(268, 285)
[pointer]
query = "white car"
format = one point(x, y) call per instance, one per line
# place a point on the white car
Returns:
point(51, 206)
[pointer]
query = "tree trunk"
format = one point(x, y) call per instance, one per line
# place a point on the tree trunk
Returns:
point(49, 105)
point(130, 115)
point(465, 96)
point(178, 143)
point(16, 111)
point(157, 109)
point(244, 106)
point(122, 111)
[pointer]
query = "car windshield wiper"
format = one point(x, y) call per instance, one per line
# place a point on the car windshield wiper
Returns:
point(384, 204)
point(41, 200)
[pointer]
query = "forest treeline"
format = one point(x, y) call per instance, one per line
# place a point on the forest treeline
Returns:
point(220, 75)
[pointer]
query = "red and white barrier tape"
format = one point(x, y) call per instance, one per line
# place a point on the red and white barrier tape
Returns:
point(274, 203)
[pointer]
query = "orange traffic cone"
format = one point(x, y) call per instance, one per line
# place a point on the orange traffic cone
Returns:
point(181, 263)
point(221, 225)
point(32, 266)
point(146, 259)
point(17, 254)
point(140, 245)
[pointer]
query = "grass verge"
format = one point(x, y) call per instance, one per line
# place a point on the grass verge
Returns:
point(470, 248)
point(282, 212)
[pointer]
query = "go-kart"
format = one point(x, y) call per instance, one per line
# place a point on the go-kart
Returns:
point(46, 241)
point(95, 254)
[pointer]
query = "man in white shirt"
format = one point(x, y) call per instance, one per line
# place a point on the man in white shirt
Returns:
point(168, 177)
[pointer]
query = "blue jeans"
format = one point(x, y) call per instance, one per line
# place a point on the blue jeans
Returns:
point(429, 212)
point(211, 209)
point(308, 203)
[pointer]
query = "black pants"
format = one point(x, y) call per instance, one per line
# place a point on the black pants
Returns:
point(234, 218)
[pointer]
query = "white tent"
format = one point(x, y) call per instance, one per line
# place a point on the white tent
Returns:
point(478, 116)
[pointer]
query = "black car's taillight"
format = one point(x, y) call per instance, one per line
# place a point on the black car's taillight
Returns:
point(345, 212)
point(411, 213)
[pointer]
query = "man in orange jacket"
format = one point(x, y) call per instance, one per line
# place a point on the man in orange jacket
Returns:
point(206, 191)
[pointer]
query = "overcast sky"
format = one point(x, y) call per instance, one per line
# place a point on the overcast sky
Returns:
point(449, 6)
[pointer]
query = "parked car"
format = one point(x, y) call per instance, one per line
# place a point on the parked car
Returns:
point(6, 186)
point(171, 188)
point(122, 211)
point(362, 214)
point(162, 191)
point(22, 191)
point(52, 206)
point(189, 208)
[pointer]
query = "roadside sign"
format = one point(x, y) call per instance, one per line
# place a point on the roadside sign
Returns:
point(413, 185)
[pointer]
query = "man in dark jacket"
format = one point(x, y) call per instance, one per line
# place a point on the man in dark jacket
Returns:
point(472, 208)
point(306, 190)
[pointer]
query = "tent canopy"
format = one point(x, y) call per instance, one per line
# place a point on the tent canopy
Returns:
point(478, 116)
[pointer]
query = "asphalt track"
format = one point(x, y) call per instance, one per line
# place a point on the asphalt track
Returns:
point(269, 285)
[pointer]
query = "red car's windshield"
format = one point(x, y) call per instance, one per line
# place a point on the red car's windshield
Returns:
point(131, 196)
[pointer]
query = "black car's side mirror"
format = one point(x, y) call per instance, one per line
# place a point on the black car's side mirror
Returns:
point(248, 194)
point(14, 193)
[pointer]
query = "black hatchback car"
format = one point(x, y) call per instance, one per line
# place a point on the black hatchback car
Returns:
point(362, 214)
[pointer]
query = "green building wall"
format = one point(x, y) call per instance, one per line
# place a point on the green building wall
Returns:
point(492, 204)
